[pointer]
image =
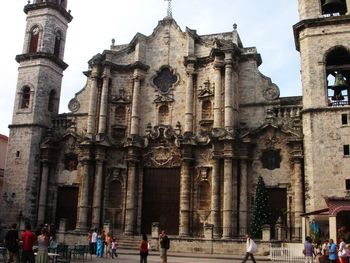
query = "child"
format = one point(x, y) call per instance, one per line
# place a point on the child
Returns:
point(114, 248)
point(318, 258)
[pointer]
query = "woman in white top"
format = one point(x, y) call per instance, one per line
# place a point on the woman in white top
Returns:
point(43, 243)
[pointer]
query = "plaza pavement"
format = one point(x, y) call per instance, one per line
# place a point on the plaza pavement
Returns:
point(131, 256)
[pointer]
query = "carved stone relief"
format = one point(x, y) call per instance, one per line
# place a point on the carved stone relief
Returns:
point(162, 157)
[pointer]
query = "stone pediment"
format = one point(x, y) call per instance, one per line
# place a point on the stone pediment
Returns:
point(260, 130)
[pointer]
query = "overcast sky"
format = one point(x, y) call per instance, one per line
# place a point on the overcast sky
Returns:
point(266, 25)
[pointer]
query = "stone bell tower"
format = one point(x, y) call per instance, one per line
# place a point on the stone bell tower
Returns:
point(37, 99)
point(323, 39)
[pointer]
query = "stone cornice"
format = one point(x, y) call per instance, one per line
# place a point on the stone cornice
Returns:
point(323, 109)
point(60, 9)
point(128, 67)
point(24, 125)
point(30, 56)
point(317, 22)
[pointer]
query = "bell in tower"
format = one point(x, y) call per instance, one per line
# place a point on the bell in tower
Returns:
point(339, 85)
point(333, 6)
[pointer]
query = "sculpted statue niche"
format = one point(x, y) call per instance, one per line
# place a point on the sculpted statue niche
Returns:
point(70, 162)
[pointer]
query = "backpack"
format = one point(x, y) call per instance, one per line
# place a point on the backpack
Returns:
point(252, 246)
point(166, 242)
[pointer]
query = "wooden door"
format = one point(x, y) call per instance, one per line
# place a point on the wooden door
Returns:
point(160, 199)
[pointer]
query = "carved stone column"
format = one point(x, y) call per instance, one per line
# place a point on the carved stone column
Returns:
point(185, 199)
point(217, 94)
point(104, 102)
point(215, 198)
point(135, 110)
point(189, 99)
point(83, 205)
point(243, 196)
point(228, 93)
point(130, 217)
point(228, 199)
point(91, 125)
point(298, 192)
point(43, 192)
point(97, 199)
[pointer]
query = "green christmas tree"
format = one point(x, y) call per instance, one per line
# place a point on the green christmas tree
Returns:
point(261, 212)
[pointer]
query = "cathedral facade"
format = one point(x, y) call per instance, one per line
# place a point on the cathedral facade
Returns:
point(171, 129)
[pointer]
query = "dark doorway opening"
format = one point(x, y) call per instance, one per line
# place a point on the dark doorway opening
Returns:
point(160, 199)
point(278, 206)
point(67, 203)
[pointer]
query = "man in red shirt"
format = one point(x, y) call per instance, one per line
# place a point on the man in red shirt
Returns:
point(28, 239)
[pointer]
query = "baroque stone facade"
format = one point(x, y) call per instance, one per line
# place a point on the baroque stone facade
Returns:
point(174, 128)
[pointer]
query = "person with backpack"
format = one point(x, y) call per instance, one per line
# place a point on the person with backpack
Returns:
point(144, 249)
point(164, 243)
point(12, 244)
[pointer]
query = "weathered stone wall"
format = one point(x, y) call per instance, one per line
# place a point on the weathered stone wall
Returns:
point(326, 167)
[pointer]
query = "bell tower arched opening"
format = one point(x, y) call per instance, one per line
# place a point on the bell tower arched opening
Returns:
point(338, 76)
point(333, 7)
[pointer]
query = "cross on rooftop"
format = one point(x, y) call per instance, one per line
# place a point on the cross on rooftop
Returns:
point(169, 12)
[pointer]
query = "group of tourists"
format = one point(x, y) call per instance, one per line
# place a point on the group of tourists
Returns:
point(102, 244)
point(26, 241)
point(105, 245)
point(329, 252)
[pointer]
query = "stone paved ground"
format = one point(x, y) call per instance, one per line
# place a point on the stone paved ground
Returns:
point(131, 256)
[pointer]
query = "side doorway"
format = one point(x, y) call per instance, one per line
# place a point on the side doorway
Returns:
point(67, 206)
point(278, 206)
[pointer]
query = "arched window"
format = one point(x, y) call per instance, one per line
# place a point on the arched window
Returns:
point(335, 7)
point(163, 114)
point(120, 114)
point(52, 101)
point(206, 110)
point(34, 40)
point(57, 43)
point(25, 100)
point(338, 76)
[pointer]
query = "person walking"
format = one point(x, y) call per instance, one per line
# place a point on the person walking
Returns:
point(28, 240)
point(251, 249)
point(43, 244)
point(114, 248)
point(309, 250)
point(12, 244)
point(164, 244)
point(332, 251)
point(143, 249)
